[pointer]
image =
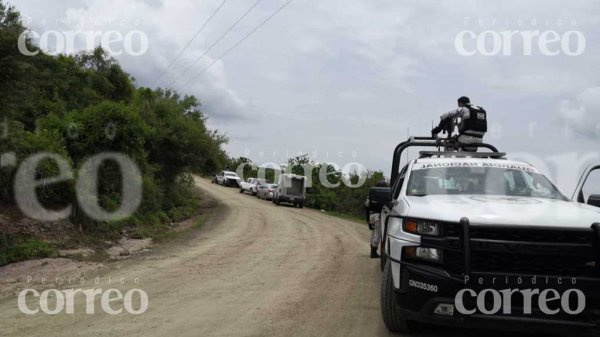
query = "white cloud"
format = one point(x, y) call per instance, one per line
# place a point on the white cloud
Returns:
point(583, 113)
point(354, 75)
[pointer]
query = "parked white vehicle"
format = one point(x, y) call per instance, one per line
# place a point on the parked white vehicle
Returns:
point(227, 178)
point(250, 185)
point(266, 191)
point(291, 189)
point(456, 220)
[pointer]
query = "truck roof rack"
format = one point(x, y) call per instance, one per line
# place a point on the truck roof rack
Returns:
point(437, 143)
point(461, 154)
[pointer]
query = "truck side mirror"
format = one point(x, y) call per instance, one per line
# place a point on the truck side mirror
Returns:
point(594, 200)
point(379, 196)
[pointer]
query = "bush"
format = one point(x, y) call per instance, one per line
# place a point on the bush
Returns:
point(80, 106)
point(14, 249)
point(25, 144)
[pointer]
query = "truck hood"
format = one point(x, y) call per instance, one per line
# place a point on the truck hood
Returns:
point(503, 210)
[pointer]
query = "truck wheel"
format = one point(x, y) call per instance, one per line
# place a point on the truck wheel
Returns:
point(241, 190)
point(301, 205)
point(389, 306)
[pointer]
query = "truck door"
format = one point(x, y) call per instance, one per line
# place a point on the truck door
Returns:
point(386, 211)
point(588, 188)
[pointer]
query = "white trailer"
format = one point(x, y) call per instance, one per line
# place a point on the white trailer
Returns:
point(291, 188)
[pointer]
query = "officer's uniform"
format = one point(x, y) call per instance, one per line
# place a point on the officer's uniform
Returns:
point(375, 221)
point(473, 124)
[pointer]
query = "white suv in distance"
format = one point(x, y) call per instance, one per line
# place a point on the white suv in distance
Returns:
point(227, 178)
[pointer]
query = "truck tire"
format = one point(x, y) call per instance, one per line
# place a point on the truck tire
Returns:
point(241, 190)
point(301, 205)
point(389, 306)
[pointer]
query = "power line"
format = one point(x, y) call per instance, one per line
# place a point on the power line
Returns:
point(240, 41)
point(215, 43)
point(188, 43)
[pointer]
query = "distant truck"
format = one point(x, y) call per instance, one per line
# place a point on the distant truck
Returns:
point(227, 178)
point(291, 189)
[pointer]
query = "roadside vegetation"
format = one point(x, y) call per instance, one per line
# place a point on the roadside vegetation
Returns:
point(82, 105)
point(78, 106)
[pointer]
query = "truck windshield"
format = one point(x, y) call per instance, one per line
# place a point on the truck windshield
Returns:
point(520, 182)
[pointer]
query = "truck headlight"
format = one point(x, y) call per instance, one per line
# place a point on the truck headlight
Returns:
point(422, 227)
point(425, 254)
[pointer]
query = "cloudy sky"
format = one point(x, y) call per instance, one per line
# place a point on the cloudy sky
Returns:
point(345, 80)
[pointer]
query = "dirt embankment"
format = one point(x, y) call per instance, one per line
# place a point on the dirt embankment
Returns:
point(79, 256)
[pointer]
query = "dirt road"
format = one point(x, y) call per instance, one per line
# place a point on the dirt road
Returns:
point(257, 270)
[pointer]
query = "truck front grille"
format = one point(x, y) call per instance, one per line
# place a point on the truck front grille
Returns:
point(533, 235)
point(525, 251)
point(508, 263)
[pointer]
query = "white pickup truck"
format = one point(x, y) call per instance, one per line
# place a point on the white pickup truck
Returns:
point(476, 240)
point(251, 185)
point(227, 178)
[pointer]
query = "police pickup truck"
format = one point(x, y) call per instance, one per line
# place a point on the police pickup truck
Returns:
point(475, 240)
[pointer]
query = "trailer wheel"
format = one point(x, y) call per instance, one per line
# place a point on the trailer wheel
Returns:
point(390, 310)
